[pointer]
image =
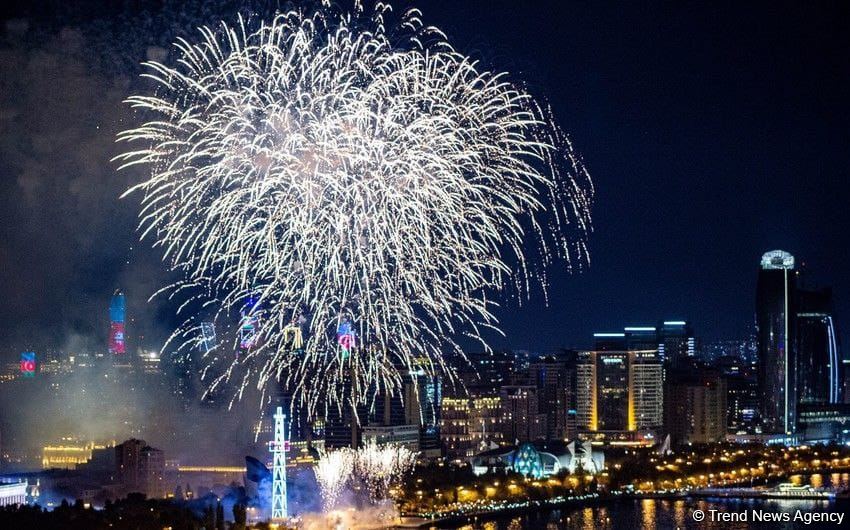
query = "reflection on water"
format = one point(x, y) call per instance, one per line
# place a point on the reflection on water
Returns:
point(664, 514)
point(817, 480)
point(647, 510)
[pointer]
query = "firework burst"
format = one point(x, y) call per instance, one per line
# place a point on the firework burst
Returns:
point(369, 189)
point(378, 467)
point(333, 471)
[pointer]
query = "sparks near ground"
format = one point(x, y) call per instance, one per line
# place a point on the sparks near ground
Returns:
point(369, 188)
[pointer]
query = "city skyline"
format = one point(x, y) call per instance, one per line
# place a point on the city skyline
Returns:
point(709, 209)
point(308, 264)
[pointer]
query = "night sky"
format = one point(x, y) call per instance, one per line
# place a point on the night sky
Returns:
point(713, 133)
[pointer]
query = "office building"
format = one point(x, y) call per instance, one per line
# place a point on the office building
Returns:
point(470, 423)
point(117, 311)
point(775, 296)
point(742, 404)
point(619, 392)
point(521, 417)
point(819, 377)
point(695, 407)
point(489, 369)
point(676, 342)
point(140, 468)
point(422, 400)
point(552, 379)
point(799, 362)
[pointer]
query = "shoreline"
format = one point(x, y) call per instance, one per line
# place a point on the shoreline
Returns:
point(415, 522)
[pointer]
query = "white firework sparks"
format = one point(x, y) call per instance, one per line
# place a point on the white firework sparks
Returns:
point(378, 467)
point(333, 471)
point(372, 189)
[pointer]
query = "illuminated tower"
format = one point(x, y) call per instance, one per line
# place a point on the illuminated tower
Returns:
point(278, 448)
point(775, 313)
point(116, 323)
point(819, 377)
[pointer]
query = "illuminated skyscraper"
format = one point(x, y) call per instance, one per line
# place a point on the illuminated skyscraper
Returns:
point(116, 323)
point(619, 390)
point(819, 368)
point(775, 297)
point(552, 379)
point(676, 342)
point(422, 399)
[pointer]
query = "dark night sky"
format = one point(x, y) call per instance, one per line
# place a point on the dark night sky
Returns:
point(713, 133)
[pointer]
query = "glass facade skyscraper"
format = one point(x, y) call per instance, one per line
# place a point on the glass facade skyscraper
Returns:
point(818, 364)
point(775, 296)
point(799, 361)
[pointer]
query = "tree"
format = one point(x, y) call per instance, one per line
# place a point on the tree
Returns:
point(219, 517)
point(209, 518)
point(240, 516)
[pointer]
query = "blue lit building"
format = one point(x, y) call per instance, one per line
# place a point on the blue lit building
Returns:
point(540, 459)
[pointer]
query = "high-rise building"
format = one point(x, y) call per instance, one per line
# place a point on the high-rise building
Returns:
point(552, 378)
point(676, 341)
point(619, 391)
point(798, 352)
point(521, 417)
point(646, 379)
point(819, 377)
point(695, 408)
point(470, 424)
point(775, 298)
point(742, 404)
point(422, 399)
point(140, 467)
point(116, 323)
point(490, 369)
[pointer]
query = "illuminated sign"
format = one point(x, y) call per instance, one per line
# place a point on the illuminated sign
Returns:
point(248, 333)
point(28, 364)
point(345, 336)
point(116, 338)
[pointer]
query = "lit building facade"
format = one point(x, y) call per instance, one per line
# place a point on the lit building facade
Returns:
point(819, 368)
point(552, 379)
point(470, 424)
point(742, 404)
point(695, 408)
point(619, 392)
point(117, 344)
point(70, 453)
point(676, 341)
point(521, 419)
point(395, 435)
point(775, 295)
point(422, 400)
point(12, 493)
point(799, 362)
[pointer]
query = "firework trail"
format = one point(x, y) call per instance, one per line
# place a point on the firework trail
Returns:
point(333, 471)
point(357, 193)
point(375, 467)
point(378, 467)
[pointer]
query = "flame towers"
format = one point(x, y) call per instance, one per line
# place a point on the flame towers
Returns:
point(116, 323)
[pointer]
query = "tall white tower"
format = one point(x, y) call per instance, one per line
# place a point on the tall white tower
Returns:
point(278, 448)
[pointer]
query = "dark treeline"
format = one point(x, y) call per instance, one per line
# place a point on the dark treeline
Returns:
point(132, 513)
